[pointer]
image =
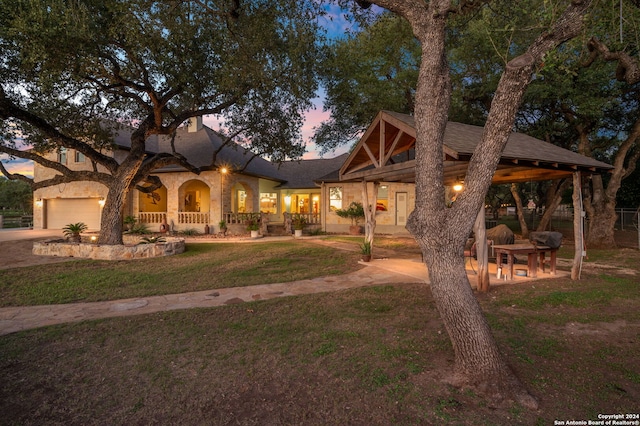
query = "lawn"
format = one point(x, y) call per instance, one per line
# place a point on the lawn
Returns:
point(201, 267)
point(369, 356)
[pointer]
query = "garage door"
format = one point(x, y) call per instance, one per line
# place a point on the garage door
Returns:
point(63, 211)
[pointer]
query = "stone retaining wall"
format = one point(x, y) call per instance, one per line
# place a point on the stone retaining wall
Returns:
point(109, 252)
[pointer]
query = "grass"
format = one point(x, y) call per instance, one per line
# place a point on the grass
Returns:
point(201, 267)
point(375, 355)
point(315, 359)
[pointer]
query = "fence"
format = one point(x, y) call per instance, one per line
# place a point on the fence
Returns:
point(627, 218)
point(16, 221)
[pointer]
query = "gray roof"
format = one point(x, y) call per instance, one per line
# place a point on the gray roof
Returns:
point(463, 139)
point(199, 147)
point(304, 173)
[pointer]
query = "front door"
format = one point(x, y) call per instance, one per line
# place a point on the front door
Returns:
point(401, 208)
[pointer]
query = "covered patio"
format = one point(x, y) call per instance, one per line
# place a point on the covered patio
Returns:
point(386, 153)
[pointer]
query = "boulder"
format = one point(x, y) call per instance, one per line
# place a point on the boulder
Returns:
point(500, 234)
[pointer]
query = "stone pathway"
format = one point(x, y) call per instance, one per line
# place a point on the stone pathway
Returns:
point(378, 272)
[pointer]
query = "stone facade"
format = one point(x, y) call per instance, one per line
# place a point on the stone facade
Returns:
point(109, 252)
point(387, 221)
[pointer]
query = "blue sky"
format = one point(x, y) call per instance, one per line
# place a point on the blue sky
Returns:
point(336, 27)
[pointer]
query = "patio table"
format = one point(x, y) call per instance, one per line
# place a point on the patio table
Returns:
point(532, 251)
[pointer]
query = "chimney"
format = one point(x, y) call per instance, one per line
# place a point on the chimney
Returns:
point(195, 124)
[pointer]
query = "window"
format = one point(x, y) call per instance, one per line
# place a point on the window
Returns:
point(242, 201)
point(79, 157)
point(62, 156)
point(382, 202)
point(335, 198)
point(269, 202)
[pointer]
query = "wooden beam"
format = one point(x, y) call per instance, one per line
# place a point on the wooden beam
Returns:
point(392, 148)
point(367, 134)
point(383, 173)
point(399, 124)
point(371, 156)
point(382, 139)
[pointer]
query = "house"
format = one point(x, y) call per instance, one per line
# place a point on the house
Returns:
point(314, 188)
point(240, 183)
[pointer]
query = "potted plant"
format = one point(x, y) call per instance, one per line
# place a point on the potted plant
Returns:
point(355, 213)
point(129, 222)
point(223, 227)
point(253, 226)
point(152, 240)
point(73, 230)
point(299, 222)
point(365, 249)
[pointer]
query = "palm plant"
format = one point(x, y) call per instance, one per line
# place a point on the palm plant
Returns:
point(72, 231)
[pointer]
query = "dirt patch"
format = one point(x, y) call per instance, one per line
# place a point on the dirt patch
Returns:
point(16, 254)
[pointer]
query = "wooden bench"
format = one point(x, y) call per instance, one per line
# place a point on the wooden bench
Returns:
point(532, 251)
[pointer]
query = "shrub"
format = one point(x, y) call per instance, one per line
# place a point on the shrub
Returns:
point(139, 228)
point(299, 221)
point(355, 212)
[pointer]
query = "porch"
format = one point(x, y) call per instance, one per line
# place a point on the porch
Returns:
point(236, 222)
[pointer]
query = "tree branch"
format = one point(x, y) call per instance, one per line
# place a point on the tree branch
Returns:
point(8, 109)
point(154, 184)
point(627, 70)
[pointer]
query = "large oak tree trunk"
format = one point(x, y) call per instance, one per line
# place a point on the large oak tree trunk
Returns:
point(469, 332)
point(601, 211)
point(599, 200)
point(112, 214)
point(119, 187)
point(442, 232)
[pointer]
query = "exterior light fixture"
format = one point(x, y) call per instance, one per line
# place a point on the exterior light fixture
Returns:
point(458, 185)
point(39, 202)
point(101, 201)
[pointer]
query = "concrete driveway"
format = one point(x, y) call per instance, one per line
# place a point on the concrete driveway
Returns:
point(19, 234)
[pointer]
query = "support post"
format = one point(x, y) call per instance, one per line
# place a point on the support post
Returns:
point(369, 208)
point(577, 227)
point(480, 231)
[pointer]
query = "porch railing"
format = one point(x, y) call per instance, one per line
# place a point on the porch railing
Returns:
point(152, 217)
point(195, 218)
point(239, 218)
point(310, 218)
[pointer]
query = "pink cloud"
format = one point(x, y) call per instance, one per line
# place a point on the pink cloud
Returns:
point(19, 166)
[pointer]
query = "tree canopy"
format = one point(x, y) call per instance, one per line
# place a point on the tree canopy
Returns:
point(15, 195)
point(373, 69)
point(574, 100)
point(74, 71)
